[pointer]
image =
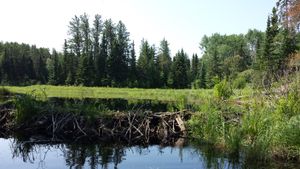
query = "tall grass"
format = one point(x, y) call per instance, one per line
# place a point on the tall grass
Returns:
point(79, 92)
point(26, 108)
point(265, 127)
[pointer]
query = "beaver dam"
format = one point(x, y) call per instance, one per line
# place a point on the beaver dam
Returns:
point(58, 120)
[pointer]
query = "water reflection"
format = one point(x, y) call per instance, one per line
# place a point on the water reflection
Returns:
point(26, 154)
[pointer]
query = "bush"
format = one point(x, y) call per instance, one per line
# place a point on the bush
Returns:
point(239, 83)
point(223, 90)
point(289, 106)
point(242, 79)
point(196, 84)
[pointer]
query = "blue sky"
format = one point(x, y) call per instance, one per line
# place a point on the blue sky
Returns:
point(182, 22)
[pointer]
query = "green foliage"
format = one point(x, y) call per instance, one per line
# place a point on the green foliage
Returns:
point(196, 84)
point(242, 79)
point(233, 139)
point(147, 66)
point(289, 106)
point(239, 83)
point(180, 70)
point(26, 108)
point(192, 96)
point(258, 132)
point(164, 62)
point(223, 90)
point(207, 124)
point(181, 103)
point(291, 133)
point(22, 64)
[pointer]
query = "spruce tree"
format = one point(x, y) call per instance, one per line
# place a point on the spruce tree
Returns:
point(164, 62)
point(180, 70)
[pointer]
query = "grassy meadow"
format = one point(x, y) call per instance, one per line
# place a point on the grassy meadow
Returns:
point(78, 92)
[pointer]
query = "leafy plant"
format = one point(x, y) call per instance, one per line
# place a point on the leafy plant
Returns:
point(223, 90)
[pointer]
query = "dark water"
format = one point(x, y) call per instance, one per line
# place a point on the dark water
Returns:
point(15, 154)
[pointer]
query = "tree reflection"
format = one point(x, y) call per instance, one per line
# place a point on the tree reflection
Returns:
point(111, 155)
point(76, 156)
point(213, 158)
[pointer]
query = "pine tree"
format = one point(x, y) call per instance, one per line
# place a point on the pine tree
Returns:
point(164, 62)
point(82, 72)
point(120, 57)
point(102, 62)
point(96, 49)
point(132, 67)
point(180, 70)
point(111, 50)
point(195, 67)
point(147, 66)
point(53, 70)
point(86, 58)
point(68, 65)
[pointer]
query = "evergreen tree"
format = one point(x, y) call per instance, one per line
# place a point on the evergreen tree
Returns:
point(68, 65)
point(164, 62)
point(86, 58)
point(132, 67)
point(195, 67)
point(111, 45)
point(53, 70)
point(120, 56)
point(96, 49)
point(147, 67)
point(82, 72)
point(102, 62)
point(180, 70)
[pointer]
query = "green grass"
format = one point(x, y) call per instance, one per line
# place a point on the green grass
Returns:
point(192, 95)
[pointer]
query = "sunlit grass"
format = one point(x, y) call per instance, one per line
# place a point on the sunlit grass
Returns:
point(192, 95)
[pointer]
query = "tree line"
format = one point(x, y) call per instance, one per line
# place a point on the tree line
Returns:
point(101, 54)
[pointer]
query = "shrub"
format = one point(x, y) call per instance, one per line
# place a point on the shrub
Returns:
point(223, 90)
point(196, 84)
point(289, 106)
point(239, 83)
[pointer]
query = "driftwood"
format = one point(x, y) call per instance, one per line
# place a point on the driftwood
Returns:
point(132, 127)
